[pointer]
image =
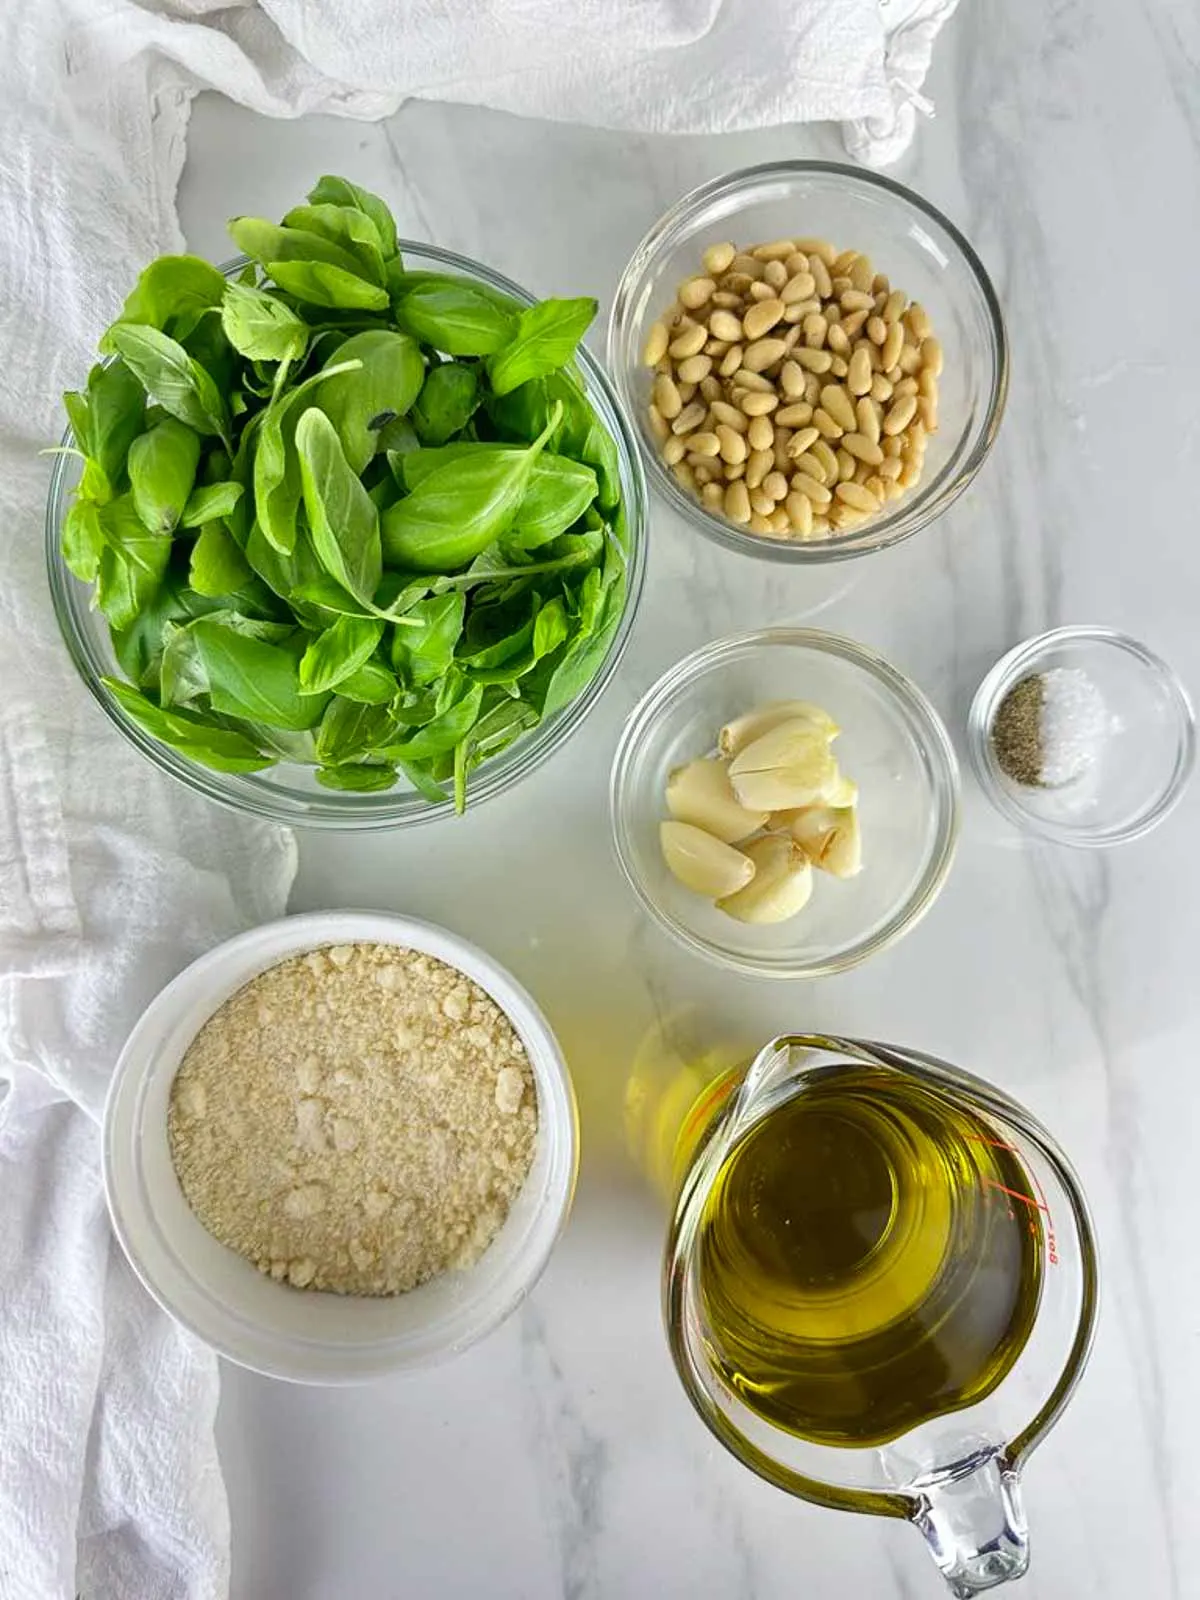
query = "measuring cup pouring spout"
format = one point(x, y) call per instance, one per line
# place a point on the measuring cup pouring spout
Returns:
point(950, 1465)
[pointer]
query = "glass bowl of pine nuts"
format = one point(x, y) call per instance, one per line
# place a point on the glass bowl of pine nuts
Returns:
point(815, 359)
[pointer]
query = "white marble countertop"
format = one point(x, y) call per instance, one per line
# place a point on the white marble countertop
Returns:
point(560, 1458)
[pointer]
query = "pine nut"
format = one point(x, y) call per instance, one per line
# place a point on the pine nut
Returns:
point(931, 355)
point(737, 503)
point(761, 318)
point(855, 496)
point(800, 513)
point(747, 266)
point(666, 397)
point(796, 262)
point(845, 518)
point(690, 417)
point(731, 443)
point(847, 465)
point(852, 322)
point(713, 496)
point(723, 412)
point(927, 383)
point(776, 485)
point(862, 275)
point(796, 415)
point(659, 426)
point(702, 469)
point(820, 527)
point(717, 258)
point(757, 405)
point(761, 291)
point(838, 339)
point(711, 389)
point(892, 346)
point(734, 470)
point(840, 367)
point(814, 360)
point(815, 329)
point(820, 271)
point(743, 378)
point(894, 308)
point(830, 429)
point(863, 448)
point(905, 386)
point(927, 407)
point(801, 287)
point(724, 325)
point(731, 361)
point(816, 493)
point(893, 446)
point(760, 462)
point(901, 413)
point(775, 274)
point(868, 419)
point(821, 248)
point(655, 348)
point(838, 404)
point(791, 379)
point(801, 440)
point(856, 300)
point(704, 444)
point(723, 299)
point(910, 360)
point(684, 476)
point(761, 433)
point(695, 292)
point(689, 342)
point(876, 486)
point(881, 389)
point(877, 329)
point(890, 467)
point(812, 389)
point(779, 251)
point(910, 475)
point(761, 502)
point(763, 353)
point(674, 450)
point(779, 448)
point(687, 391)
point(695, 368)
point(811, 467)
point(918, 322)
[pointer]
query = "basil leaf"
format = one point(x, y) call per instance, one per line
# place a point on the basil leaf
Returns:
point(583, 658)
point(546, 338)
point(560, 490)
point(524, 412)
point(372, 684)
point(321, 284)
point(360, 403)
point(276, 470)
point(454, 315)
point(220, 748)
point(422, 655)
point(217, 567)
point(351, 730)
point(460, 508)
point(262, 326)
point(446, 402)
point(340, 192)
point(358, 778)
point(271, 246)
point(343, 521)
point(443, 732)
point(172, 378)
point(338, 652)
point(162, 469)
point(172, 291)
point(132, 562)
point(107, 416)
point(208, 501)
point(82, 542)
point(249, 678)
point(347, 227)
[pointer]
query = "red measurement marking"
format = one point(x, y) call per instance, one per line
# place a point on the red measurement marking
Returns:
point(1039, 1205)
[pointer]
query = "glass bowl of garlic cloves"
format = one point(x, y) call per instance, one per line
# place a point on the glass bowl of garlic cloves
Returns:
point(785, 803)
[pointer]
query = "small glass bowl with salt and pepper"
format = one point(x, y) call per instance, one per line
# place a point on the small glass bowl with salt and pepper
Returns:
point(1082, 735)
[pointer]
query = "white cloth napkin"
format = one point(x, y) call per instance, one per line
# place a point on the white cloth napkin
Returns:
point(111, 877)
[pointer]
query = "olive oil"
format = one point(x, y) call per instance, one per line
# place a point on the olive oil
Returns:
point(869, 1258)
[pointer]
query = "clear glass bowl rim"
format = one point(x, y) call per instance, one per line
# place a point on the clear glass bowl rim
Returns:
point(1020, 660)
point(887, 530)
point(936, 745)
point(405, 808)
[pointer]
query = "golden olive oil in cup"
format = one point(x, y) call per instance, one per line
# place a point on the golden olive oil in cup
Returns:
point(868, 1258)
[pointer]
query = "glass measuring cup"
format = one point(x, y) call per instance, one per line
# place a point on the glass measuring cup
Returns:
point(955, 1475)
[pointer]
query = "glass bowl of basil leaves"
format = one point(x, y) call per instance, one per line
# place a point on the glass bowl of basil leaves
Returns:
point(349, 532)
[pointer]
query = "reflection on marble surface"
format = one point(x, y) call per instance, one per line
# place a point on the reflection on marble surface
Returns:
point(560, 1458)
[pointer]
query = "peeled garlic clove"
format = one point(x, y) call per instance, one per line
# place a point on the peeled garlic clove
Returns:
point(701, 794)
point(702, 863)
point(781, 884)
point(843, 791)
point(787, 767)
point(830, 837)
point(736, 735)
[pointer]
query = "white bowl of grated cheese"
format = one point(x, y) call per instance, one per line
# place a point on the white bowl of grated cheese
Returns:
point(273, 1317)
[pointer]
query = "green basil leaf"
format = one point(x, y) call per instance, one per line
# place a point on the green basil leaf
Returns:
point(341, 192)
point(454, 315)
point(361, 403)
point(208, 501)
point(373, 684)
point(172, 378)
point(217, 566)
point(343, 521)
point(220, 748)
point(443, 733)
point(523, 413)
point(560, 490)
point(350, 730)
point(162, 469)
point(107, 416)
point(320, 284)
point(138, 646)
point(132, 562)
point(550, 628)
point(83, 539)
point(546, 338)
point(249, 678)
point(446, 402)
point(338, 652)
point(276, 469)
point(172, 291)
point(347, 227)
point(459, 509)
point(583, 658)
point(261, 325)
point(421, 655)
point(271, 246)
point(357, 778)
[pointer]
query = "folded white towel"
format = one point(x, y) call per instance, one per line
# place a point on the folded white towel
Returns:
point(111, 878)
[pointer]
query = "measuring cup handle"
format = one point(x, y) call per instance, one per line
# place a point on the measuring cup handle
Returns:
point(975, 1526)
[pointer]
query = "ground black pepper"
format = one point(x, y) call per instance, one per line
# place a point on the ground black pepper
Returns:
point(1017, 732)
